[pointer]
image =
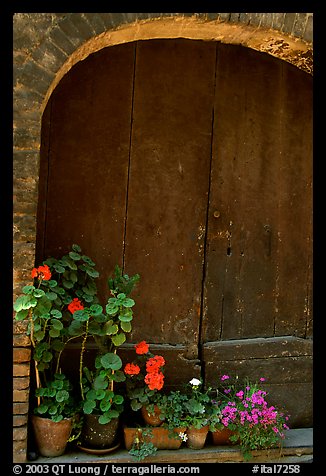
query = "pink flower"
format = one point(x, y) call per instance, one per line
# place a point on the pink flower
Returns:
point(262, 379)
point(224, 377)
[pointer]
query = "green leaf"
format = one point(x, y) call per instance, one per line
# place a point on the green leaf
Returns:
point(110, 329)
point(100, 383)
point(54, 333)
point(96, 309)
point(121, 296)
point(28, 289)
point(24, 302)
point(59, 269)
point(124, 318)
point(51, 295)
point(100, 394)
point(76, 248)
point(128, 302)
point(39, 335)
point(52, 283)
point(87, 260)
point(92, 272)
point(118, 339)
point(41, 409)
point(47, 356)
point(135, 405)
point(56, 324)
point(89, 406)
point(118, 399)
point(111, 361)
point(21, 315)
point(75, 256)
point(56, 313)
point(81, 315)
point(112, 309)
point(118, 376)
point(62, 395)
point(57, 345)
point(91, 395)
point(67, 284)
point(126, 326)
point(38, 293)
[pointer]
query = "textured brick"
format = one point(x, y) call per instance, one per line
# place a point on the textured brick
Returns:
point(20, 408)
point(21, 370)
point(61, 40)
point(21, 383)
point(20, 434)
point(21, 355)
point(19, 451)
point(21, 340)
point(49, 56)
point(20, 396)
point(278, 20)
point(266, 20)
point(20, 420)
point(85, 31)
point(96, 22)
point(299, 25)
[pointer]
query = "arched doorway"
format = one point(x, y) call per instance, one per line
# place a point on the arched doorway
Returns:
point(188, 162)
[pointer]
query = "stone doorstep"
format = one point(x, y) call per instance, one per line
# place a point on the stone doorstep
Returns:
point(297, 447)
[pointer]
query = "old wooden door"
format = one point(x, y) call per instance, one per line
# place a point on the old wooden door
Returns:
point(188, 162)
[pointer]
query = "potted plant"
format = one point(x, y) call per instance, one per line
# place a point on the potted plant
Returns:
point(101, 405)
point(145, 379)
point(53, 419)
point(197, 416)
point(246, 411)
point(59, 287)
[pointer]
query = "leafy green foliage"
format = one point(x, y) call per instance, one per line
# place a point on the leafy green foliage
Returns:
point(100, 399)
point(57, 402)
point(142, 445)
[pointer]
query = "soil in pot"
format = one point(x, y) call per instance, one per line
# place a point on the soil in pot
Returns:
point(96, 435)
point(197, 437)
point(51, 437)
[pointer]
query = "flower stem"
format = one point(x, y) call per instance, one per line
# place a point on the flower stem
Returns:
point(83, 346)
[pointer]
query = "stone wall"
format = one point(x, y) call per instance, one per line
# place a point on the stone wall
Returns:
point(45, 47)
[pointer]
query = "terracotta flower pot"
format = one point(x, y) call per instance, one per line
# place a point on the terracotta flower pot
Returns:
point(160, 437)
point(96, 435)
point(51, 437)
point(152, 419)
point(221, 437)
point(197, 437)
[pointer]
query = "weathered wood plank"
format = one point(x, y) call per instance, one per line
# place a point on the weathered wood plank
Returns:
point(168, 187)
point(88, 159)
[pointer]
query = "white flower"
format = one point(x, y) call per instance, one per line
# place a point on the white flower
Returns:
point(195, 382)
point(183, 436)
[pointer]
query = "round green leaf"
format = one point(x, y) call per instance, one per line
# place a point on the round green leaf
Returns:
point(28, 289)
point(75, 256)
point(81, 315)
point(76, 248)
point(38, 293)
point(118, 339)
point(128, 302)
point(62, 395)
point(21, 315)
point(96, 309)
point(56, 324)
point(89, 406)
point(56, 313)
point(51, 295)
point(126, 326)
point(111, 361)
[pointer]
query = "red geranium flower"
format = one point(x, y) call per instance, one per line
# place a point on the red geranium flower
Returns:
point(141, 348)
point(42, 273)
point(154, 380)
point(154, 364)
point(131, 369)
point(75, 305)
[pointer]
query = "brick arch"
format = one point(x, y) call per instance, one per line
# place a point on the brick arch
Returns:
point(46, 47)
